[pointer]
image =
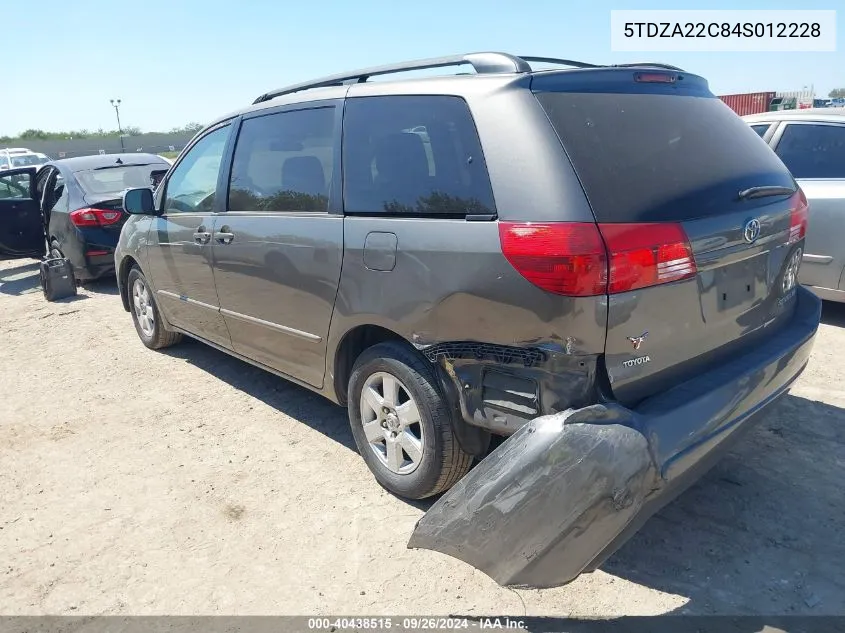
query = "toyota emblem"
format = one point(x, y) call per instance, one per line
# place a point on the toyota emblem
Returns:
point(751, 231)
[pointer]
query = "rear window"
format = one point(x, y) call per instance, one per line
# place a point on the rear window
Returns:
point(761, 129)
point(659, 157)
point(413, 155)
point(813, 151)
point(116, 179)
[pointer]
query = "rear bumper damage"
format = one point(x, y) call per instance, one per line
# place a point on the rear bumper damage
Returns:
point(558, 497)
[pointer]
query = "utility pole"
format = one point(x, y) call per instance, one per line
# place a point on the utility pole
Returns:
point(116, 105)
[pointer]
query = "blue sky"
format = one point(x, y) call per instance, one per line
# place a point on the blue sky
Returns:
point(177, 61)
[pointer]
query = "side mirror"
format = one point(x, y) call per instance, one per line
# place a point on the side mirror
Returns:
point(138, 201)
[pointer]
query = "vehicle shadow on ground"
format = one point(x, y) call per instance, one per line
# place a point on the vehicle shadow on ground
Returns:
point(833, 313)
point(25, 279)
point(293, 400)
point(104, 286)
point(20, 279)
point(761, 533)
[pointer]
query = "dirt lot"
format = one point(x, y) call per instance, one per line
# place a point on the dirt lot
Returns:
point(187, 482)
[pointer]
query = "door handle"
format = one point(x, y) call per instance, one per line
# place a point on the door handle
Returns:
point(224, 235)
point(202, 237)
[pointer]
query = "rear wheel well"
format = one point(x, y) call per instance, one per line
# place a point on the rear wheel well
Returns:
point(123, 277)
point(354, 342)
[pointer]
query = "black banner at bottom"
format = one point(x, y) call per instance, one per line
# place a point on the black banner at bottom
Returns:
point(364, 624)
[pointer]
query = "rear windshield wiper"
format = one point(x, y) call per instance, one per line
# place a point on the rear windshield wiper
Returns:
point(765, 191)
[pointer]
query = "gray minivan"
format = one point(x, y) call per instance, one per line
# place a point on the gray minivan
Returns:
point(596, 263)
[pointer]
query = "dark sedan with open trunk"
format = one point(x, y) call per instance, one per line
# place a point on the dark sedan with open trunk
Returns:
point(78, 202)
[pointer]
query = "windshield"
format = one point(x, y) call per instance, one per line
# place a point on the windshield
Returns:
point(28, 160)
point(116, 179)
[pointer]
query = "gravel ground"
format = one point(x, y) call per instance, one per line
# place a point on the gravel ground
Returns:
point(188, 482)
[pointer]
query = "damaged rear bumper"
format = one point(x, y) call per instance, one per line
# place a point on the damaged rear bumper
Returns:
point(565, 491)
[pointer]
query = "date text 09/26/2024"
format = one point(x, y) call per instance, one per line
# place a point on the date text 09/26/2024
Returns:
point(417, 623)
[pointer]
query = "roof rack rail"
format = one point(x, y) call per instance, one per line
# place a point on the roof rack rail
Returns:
point(555, 60)
point(483, 63)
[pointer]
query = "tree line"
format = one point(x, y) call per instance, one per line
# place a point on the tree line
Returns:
point(190, 128)
point(43, 135)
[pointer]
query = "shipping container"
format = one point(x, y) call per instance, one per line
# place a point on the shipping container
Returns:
point(749, 102)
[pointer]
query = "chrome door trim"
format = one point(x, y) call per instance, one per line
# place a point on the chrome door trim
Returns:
point(273, 326)
point(200, 304)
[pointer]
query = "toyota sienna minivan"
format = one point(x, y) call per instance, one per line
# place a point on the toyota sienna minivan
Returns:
point(561, 293)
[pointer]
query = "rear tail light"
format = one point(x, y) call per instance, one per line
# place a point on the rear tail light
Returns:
point(644, 255)
point(585, 259)
point(798, 217)
point(95, 217)
point(561, 257)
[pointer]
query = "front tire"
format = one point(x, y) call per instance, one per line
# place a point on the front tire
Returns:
point(402, 424)
point(145, 314)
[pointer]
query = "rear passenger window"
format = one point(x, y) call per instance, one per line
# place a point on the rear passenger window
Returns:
point(413, 155)
point(761, 129)
point(813, 151)
point(283, 162)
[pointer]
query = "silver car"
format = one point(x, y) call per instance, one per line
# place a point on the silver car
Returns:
point(811, 143)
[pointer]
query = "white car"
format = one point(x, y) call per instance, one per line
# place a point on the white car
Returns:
point(13, 157)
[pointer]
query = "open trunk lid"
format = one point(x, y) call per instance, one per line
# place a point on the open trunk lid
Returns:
point(702, 223)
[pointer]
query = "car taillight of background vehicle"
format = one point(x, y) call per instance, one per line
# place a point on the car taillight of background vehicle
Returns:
point(94, 217)
point(798, 217)
point(584, 259)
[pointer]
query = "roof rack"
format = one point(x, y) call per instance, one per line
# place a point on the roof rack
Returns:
point(482, 63)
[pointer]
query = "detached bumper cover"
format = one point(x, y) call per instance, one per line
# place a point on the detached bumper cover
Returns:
point(567, 490)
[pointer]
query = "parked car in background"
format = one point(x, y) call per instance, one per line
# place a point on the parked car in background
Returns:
point(811, 143)
point(608, 280)
point(13, 157)
point(78, 202)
